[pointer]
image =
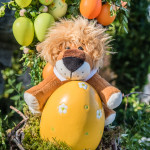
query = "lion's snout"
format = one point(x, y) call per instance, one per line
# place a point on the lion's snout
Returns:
point(72, 63)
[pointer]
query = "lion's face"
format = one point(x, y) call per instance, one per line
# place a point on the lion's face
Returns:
point(73, 63)
point(75, 47)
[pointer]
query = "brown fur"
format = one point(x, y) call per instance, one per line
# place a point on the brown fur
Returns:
point(77, 32)
point(74, 53)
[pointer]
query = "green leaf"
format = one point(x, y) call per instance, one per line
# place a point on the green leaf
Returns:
point(9, 91)
point(15, 98)
point(18, 86)
point(13, 8)
point(10, 82)
point(2, 11)
point(125, 29)
point(125, 19)
point(33, 14)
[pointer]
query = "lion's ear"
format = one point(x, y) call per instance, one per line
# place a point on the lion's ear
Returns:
point(39, 47)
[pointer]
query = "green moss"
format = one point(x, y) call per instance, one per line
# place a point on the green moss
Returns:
point(32, 139)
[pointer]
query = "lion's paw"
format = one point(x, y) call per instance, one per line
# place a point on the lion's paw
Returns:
point(114, 100)
point(32, 102)
point(110, 119)
point(33, 111)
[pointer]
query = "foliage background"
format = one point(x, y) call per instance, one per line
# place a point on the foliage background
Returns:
point(133, 49)
point(130, 64)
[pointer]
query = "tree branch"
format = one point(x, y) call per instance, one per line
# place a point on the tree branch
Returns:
point(18, 112)
point(127, 95)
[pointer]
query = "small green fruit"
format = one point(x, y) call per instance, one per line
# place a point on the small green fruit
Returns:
point(58, 8)
point(23, 31)
point(46, 2)
point(41, 24)
point(23, 3)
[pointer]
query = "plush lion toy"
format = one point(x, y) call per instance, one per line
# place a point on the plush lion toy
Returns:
point(75, 48)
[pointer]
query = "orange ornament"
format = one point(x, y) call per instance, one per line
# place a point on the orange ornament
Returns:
point(47, 70)
point(124, 4)
point(90, 8)
point(105, 17)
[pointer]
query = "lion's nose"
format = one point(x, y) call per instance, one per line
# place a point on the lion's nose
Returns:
point(72, 63)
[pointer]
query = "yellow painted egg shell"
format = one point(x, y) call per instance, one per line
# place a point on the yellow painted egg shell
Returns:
point(74, 114)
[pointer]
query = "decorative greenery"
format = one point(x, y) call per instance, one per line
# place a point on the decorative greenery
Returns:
point(36, 66)
point(73, 8)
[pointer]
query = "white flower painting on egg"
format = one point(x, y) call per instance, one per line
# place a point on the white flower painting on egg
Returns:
point(98, 113)
point(82, 85)
point(63, 108)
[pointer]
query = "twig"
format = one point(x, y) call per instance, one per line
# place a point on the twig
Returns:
point(19, 112)
point(114, 145)
point(11, 134)
point(18, 125)
point(18, 144)
point(135, 93)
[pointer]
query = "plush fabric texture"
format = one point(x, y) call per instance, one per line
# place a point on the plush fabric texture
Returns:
point(75, 48)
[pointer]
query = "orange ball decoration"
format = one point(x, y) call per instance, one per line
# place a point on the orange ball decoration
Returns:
point(105, 17)
point(90, 8)
point(47, 70)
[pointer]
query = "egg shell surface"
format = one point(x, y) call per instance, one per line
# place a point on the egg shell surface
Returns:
point(74, 114)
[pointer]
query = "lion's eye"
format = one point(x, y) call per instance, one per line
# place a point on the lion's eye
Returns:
point(80, 48)
point(67, 47)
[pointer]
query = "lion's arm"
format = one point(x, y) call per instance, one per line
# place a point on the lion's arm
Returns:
point(110, 95)
point(37, 96)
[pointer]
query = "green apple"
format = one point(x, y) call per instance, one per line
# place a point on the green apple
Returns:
point(23, 3)
point(58, 8)
point(23, 31)
point(41, 25)
point(46, 2)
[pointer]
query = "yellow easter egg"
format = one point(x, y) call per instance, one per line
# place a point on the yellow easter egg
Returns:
point(74, 114)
